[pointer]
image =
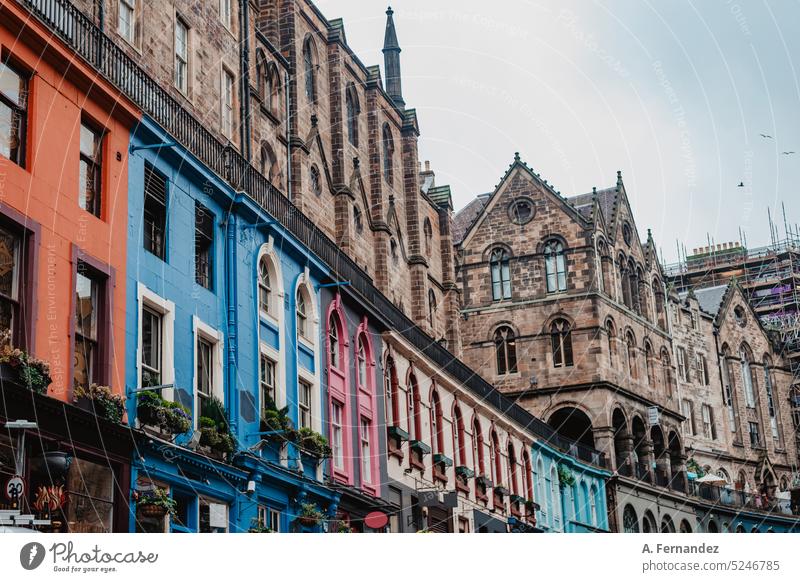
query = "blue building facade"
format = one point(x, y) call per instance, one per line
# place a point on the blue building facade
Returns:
point(223, 353)
point(571, 494)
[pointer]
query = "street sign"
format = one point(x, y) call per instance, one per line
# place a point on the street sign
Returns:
point(652, 415)
point(15, 488)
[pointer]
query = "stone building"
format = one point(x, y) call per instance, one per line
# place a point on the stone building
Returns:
point(278, 81)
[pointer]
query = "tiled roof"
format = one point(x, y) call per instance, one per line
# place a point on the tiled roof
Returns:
point(710, 298)
point(605, 197)
point(465, 217)
point(440, 195)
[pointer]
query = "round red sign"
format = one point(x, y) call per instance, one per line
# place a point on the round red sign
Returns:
point(376, 520)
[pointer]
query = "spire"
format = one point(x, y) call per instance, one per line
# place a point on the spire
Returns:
point(391, 61)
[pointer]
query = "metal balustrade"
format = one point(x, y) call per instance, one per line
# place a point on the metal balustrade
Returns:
point(85, 38)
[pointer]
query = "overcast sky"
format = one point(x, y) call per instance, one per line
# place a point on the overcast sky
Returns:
point(673, 93)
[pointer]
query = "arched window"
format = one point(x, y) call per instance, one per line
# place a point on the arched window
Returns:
point(630, 521)
point(477, 449)
point(392, 389)
point(630, 343)
point(496, 459)
point(387, 142)
point(649, 364)
point(269, 165)
point(427, 230)
point(393, 251)
point(358, 220)
point(272, 95)
point(666, 366)
point(414, 412)
point(437, 433)
point(264, 286)
point(512, 469)
point(302, 315)
point(314, 181)
point(747, 377)
point(561, 343)
point(505, 346)
point(555, 496)
point(459, 447)
point(528, 479)
point(361, 363)
point(771, 407)
point(541, 488)
point(611, 336)
point(555, 266)
point(431, 307)
point(309, 69)
point(334, 348)
point(352, 109)
point(593, 505)
point(501, 275)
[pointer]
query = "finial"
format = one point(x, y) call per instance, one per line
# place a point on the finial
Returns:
point(516, 156)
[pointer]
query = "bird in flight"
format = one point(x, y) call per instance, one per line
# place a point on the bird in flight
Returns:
point(765, 135)
point(786, 153)
point(741, 185)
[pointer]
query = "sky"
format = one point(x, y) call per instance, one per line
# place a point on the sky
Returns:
point(675, 94)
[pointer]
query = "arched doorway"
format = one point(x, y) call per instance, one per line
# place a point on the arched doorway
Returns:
point(642, 450)
point(685, 527)
point(649, 523)
point(712, 526)
point(622, 443)
point(667, 525)
point(573, 424)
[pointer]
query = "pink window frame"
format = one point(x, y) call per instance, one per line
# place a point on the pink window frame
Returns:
point(338, 381)
point(367, 407)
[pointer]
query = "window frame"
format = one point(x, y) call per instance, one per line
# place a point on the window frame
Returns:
point(19, 108)
point(505, 342)
point(150, 174)
point(204, 244)
point(181, 65)
point(555, 266)
point(561, 348)
point(500, 273)
point(201, 331)
point(164, 309)
point(94, 163)
point(103, 277)
point(227, 102)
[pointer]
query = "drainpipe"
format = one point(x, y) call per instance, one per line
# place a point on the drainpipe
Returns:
point(244, 66)
point(230, 297)
point(288, 136)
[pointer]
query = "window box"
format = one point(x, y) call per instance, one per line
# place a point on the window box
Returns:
point(99, 400)
point(531, 507)
point(310, 515)
point(484, 482)
point(465, 472)
point(313, 444)
point(155, 504)
point(168, 417)
point(397, 433)
point(443, 460)
point(19, 367)
point(420, 447)
point(501, 490)
point(516, 499)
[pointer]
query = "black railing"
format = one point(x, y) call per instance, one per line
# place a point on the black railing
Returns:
point(741, 499)
point(85, 38)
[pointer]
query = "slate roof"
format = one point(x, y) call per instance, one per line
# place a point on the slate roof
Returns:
point(710, 298)
point(465, 217)
point(605, 197)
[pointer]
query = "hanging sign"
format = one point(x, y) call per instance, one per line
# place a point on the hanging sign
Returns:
point(652, 415)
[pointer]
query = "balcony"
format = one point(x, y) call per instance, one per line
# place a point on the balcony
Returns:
point(741, 500)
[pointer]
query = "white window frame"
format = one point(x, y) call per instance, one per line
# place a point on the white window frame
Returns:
point(307, 407)
point(365, 440)
point(337, 429)
point(226, 14)
point(181, 59)
point(166, 309)
point(133, 6)
point(215, 338)
point(227, 101)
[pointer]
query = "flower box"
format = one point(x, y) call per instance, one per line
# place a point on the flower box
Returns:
point(420, 447)
point(465, 472)
point(501, 490)
point(517, 498)
point(531, 506)
point(398, 433)
point(484, 481)
point(443, 460)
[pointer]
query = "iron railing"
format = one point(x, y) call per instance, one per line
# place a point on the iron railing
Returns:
point(741, 499)
point(85, 38)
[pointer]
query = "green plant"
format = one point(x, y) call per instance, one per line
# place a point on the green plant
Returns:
point(108, 404)
point(31, 372)
point(313, 443)
point(158, 497)
point(311, 513)
point(277, 421)
point(153, 410)
point(258, 526)
point(214, 409)
point(565, 476)
point(214, 436)
point(694, 467)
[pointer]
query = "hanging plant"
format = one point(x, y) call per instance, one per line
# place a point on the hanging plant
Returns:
point(565, 476)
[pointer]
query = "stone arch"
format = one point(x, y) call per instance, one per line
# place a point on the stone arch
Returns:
point(573, 423)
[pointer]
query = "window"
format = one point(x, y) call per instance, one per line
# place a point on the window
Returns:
point(87, 327)
point(316, 188)
point(182, 55)
point(477, 449)
point(269, 518)
point(302, 316)
point(702, 369)
point(228, 92)
point(709, 430)
point(264, 286)
point(666, 365)
point(630, 342)
point(561, 343)
point(358, 221)
point(611, 335)
point(151, 348)
point(90, 169)
point(728, 391)
point(126, 24)
point(13, 113)
point(226, 13)
point(352, 110)
point(155, 212)
point(333, 341)
point(505, 346)
point(649, 364)
point(366, 455)
point(555, 267)
point(773, 417)
point(270, 167)
point(428, 233)
point(337, 443)
point(458, 438)
point(739, 316)
point(393, 251)
point(630, 522)
point(501, 275)
point(496, 460)
point(90, 491)
point(205, 367)
point(267, 381)
point(747, 378)
point(309, 66)
point(361, 364)
point(431, 307)
point(414, 412)
point(388, 153)
point(687, 408)
point(683, 364)
point(755, 435)
point(437, 424)
point(304, 404)
point(203, 245)
point(392, 395)
point(521, 211)
point(13, 276)
point(213, 517)
point(272, 91)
